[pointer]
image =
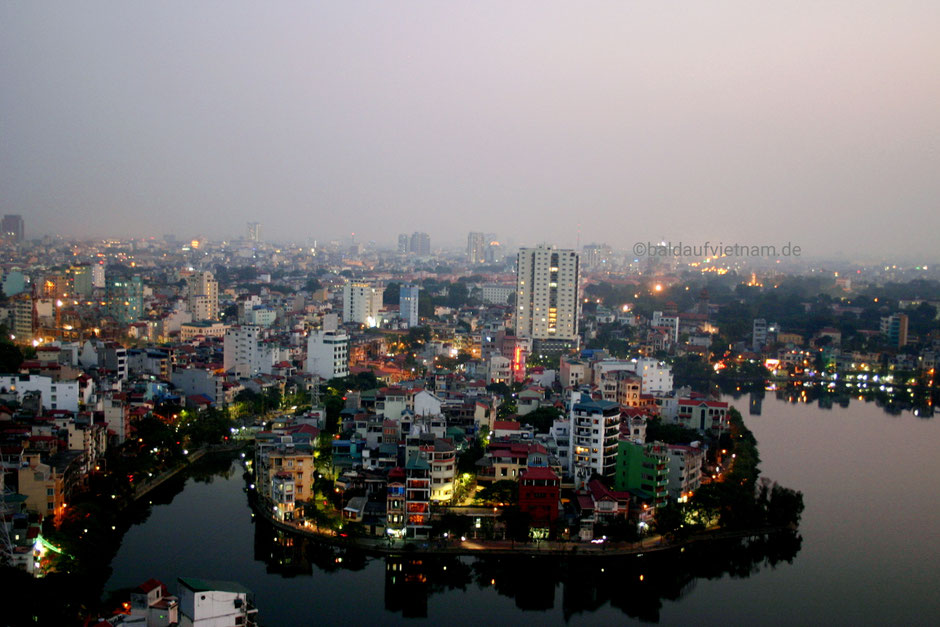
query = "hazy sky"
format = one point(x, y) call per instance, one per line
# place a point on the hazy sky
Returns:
point(816, 122)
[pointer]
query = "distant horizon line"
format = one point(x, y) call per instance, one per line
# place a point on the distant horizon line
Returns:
point(457, 245)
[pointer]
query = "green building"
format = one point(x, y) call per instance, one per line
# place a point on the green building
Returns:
point(643, 469)
point(125, 299)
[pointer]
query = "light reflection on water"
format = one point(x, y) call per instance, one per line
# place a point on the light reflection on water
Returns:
point(866, 477)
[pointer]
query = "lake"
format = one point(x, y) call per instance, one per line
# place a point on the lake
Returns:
point(868, 550)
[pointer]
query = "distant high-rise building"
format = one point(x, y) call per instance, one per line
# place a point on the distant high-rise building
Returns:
point(476, 248)
point(420, 244)
point(404, 244)
point(12, 227)
point(203, 296)
point(596, 256)
point(254, 231)
point(547, 298)
point(493, 249)
point(361, 304)
point(125, 298)
point(758, 334)
point(408, 304)
point(80, 280)
point(97, 275)
point(22, 318)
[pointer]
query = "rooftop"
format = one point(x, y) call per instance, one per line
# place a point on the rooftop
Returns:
point(206, 585)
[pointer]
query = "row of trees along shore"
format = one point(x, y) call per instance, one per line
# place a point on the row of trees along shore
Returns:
point(740, 500)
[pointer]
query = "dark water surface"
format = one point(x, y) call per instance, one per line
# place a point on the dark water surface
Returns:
point(869, 551)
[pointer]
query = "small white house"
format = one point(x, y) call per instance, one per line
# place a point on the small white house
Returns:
point(209, 603)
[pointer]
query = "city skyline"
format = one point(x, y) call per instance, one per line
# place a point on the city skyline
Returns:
point(541, 122)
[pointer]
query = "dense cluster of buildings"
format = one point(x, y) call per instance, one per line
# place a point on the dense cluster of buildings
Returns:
point(197, 603)
point(113, 330)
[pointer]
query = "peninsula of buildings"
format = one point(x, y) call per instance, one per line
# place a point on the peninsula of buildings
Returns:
point(410, 393)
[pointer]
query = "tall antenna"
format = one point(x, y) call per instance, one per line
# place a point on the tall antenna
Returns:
point(315, 392)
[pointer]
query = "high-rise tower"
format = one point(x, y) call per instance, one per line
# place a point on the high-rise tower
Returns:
point(203, 296)
point(547, 298)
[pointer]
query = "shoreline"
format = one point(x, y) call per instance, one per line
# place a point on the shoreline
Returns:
point(144, 489)
point(470, 547)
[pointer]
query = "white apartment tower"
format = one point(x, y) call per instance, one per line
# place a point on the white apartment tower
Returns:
point(361, 304)
point(254, 231)
point(328, 354)
point(595, 431)
point(203, 296)
point(547, 298)
point(244, 353)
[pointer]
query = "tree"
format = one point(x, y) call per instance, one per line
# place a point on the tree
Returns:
point(517, 523)
point(542, 418)
point(417, 337)
point(500, 492)
point(499, 388)
point(208, 427)
point(360, 381)
point(10, 357)
point(669, 519)
point(657, 430)
point(457, 295)
point(618, 529)
point(392, 294)
point(334, 404)
point(467, 460)
point(784, 506)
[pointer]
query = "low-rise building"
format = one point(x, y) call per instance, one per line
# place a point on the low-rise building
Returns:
point(284, 472)
point(152, 606)
point(207, 603)
point(702, 415)
point(55, 394)
point(395, 510)
point(328, 354)
point(539, 496)
point(685, 470)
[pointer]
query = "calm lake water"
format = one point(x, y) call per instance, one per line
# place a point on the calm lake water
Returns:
point(869, 553)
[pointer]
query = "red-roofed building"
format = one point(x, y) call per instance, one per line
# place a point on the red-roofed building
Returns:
point(539, 494)
point(608, 503)
point(151, 601)
point(507, 459)
point(199, 402)
point(506, 428)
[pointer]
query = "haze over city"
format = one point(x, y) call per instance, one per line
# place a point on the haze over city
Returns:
point(722, 121)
